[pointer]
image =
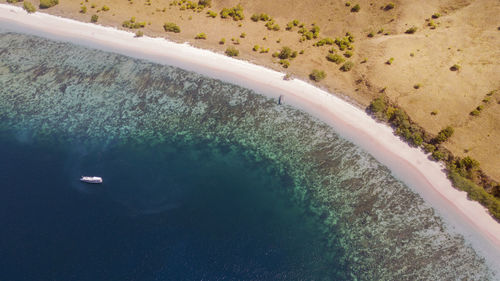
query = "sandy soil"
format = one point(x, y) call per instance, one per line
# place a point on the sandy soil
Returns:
point(467, 34)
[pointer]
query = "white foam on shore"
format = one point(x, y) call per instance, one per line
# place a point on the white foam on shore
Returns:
point(408, 164)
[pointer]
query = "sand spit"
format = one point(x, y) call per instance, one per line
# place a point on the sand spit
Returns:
point(408, 164)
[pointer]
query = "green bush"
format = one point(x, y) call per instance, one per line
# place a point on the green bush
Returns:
point(235, 12)
point(444, 134)
point(371, 34)
point(389, 6)
point(356, 8)
point(378, 108)
point(13, 1)
point(243, 35)
point(94, 18)
point(389, 61)
point(436, 15)
point(432, 24)
point(324, 41)
point(30, 8)
point(105, 8)
point(429, 148)
point(285, 63)
point(222, 41)
point(205, 3)
point(347, 66)
point(255, 48)
point(212, 14)
point(285, 53)
point(411, 30)
point(171, 27)
point(455, 67)
point(44, 4)
point(83, 9)
point(139, 33)
point(200, 36)
point(417, 86)
point(335, 58)
point(263, 50)
point(232, 52)
point(476, 193)
point(132, 24)
point(317, 75)
point(348, 54)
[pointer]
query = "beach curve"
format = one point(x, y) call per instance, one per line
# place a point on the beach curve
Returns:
point(410, 165)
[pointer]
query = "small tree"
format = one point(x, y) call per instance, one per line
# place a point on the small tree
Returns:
point(29, 7)
point(317, 75)
point(285, 53)
point(171, 27)
point(444, 134)
point(232, 52)
point(44, 4)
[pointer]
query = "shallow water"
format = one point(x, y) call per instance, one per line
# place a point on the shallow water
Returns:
point(203, 180)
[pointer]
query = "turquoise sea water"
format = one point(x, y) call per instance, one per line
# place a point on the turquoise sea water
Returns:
point(203, 180)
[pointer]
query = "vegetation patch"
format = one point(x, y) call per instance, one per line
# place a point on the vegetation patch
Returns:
point(308, 34)
point(317, 75)
point(389, 6)
point(94, 18)
point(45, 4)
point(133, 24)
point(355, 8)
point(345, 42)
point(411, 30)
point(171, 27)
point(235, 12)
point(211, 14)
point(338, 59)
point(200, 36)
point(347, 66)
point(232, 52)
point(455, 67)
point(28, 7)
point(389, 61)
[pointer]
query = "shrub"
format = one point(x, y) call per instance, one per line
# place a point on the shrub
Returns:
point(417, 86)
point(390, 61)
point(475, 112)
point(335, 58)
point(285, 63)
point(436, 15)
point(132, 24)
point(105, 8)
point(263, 50)
point(83, 9)
point(317, 75)
point(429, 148)
point(347, 66)
point(255, 17)
point(455, 67)
point(289, 26)
point(347, 4)
point(434, 112)
point(222, 41)
point(235, 12)
point(411, 30)
point(389, 6)
point(371, 34)
point(243, 35)
point(212, 14)
point(378, 108)
point(30, 8)
point(444, 134)
point(232, 52)
point(356, 8)
point(94, 18)
point(348, 54)
point(476, 192)
point(13, 1)
point(285, 53)
point(44, 4)
point(432, 24)
point(324, 41)
point(205, 3)
point(200, 36)
point(255, 48)
point(171, 27)
point(139, 33)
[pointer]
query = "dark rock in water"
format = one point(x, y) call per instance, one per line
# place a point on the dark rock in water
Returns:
point(281, 100)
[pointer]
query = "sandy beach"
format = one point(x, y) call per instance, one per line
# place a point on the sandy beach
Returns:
point(410, 165)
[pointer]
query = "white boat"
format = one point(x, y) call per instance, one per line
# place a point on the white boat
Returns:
point(91, 179)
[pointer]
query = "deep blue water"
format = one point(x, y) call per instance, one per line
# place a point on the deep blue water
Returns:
point(164, 212)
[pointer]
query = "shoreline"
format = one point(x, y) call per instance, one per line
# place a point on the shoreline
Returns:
point(408, 164)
